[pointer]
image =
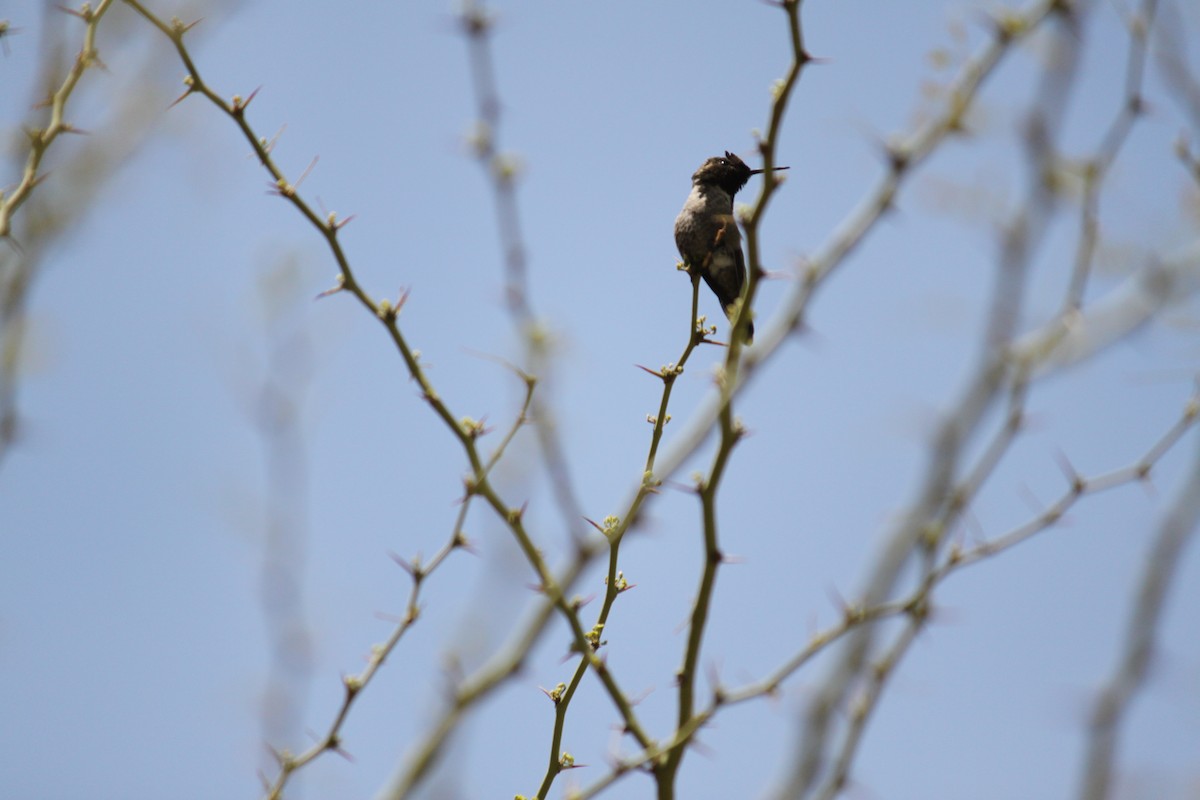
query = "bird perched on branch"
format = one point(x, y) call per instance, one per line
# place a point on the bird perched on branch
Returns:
point(707, 234)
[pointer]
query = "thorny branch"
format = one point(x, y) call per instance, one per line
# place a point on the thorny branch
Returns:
point(917, 606)
point(1008, 365)
point(940, 506)
point(730, 430)
point(41, 140)
point(465, 431)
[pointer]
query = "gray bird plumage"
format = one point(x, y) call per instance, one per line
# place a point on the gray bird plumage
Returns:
point(707, 234)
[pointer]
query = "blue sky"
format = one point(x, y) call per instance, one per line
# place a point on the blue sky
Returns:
point(133, 647)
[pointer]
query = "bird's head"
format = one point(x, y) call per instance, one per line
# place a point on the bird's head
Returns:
point(728, 172)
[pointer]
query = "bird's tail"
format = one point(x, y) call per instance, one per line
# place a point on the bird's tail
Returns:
point(730, 313)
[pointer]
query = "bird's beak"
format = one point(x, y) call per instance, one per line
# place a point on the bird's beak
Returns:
point(760, 171)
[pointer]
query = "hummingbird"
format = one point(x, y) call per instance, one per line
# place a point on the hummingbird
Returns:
point(706, 232)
